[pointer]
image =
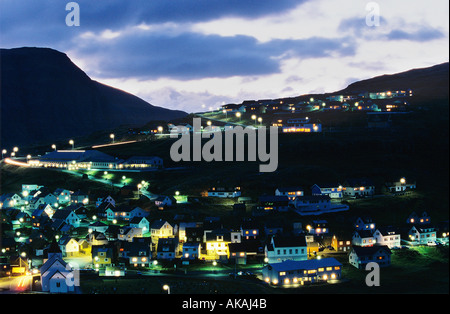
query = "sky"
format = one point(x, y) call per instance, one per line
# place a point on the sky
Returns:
point(196, 55)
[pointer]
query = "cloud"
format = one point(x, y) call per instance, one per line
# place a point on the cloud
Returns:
point(423, 34)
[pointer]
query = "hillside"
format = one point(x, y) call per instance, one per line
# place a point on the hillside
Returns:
point(46, 97)
point(427, 83)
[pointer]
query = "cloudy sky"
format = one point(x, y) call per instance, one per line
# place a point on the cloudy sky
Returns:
point(196, 55)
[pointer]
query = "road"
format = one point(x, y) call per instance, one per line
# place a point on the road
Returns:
point(15, 284)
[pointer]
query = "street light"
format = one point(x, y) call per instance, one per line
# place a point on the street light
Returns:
point(254, 118)
point(112, 137)
point(71, 142)
point(4, 151)
point(54, 147)
point(238, 115)
point(260, 120)
point(160, 129)
point(167, 288)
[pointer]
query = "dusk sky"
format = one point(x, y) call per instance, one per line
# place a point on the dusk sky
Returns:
point(196, 55)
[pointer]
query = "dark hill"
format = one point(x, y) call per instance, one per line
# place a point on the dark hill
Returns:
point(46, 97)
point(429, 83)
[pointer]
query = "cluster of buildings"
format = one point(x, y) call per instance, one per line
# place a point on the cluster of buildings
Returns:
point(46, 228)
point(371, 101)
point(95, 160)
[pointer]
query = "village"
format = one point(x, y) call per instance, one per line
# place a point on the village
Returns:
point(55, 237)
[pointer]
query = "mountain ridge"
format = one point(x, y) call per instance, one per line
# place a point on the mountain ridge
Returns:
point(46, 97)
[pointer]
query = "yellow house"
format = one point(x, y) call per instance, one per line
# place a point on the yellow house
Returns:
point(101, 256)
point(217, 242)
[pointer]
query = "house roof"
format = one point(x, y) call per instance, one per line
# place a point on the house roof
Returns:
point(359, 182)
point(284, 241)
point(157, 224)
point(61, 214)
point(370, 250)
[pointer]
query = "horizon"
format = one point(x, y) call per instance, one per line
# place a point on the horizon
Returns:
point(178, 57)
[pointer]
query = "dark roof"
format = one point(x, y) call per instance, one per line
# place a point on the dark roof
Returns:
point(61, 214)
point(157, 224)
point(273, 198)
point(370, 250)
point(293, 241)
point(290, 189)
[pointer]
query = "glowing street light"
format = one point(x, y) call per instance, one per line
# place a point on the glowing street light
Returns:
point(4, 151)
point(160, 129)
point(54, 147)
point(402, 180)
point(16, 149)
point(71, 142)
point(112, 136)
point(225, 112)
point(167, 288)
point(238, 115)
point(260, 120)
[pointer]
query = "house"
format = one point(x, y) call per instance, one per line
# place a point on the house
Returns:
point(387, 236)
point(68, 216)
point(19, 266)
point(422, 235)
point(98, 226)
point(415, 219)
point(217, 242)
point(283, 248)
point(163, 201)
point(293, 273)
point(270, 203)
point(272, 228)
point(184, 226)
point(341, 242)
point(124, 213)
point(167, 248)
point(128, 233)
point(249, 230)
point(139, 252)
point(102, 256)
point(364, 223)
point(363, 238)
point(69, 246)
point(10, 200)
point(161, 229)
point(301, 125)
point(400, 187)
point(359, 256)
point(313, 204)
point(318, 227)
point(143, 162)
point(239, 253)
point(356, 188)
point(290, 192)
point(79, 197)
point(57, 276)
point(191, 250)
point(105, 199)
point(333, 190)
point(312, 248)
point(192, 234)
point(96, 238)
point(63, 196)
point(140, 222)
point(224, 192)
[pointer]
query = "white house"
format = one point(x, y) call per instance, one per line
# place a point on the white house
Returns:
point(400, 186)
point(56, 275)
point(333, 190)
point(388, 237)
point(163, 201)
point(358, 188)
point(286, 248)
point(359, 256)
point(128, 233)
point(422, 235)
point(140, 222)
point(363, 238)
point(311, 204)
point(125, 213)
point(290, 192)
point(161, 229)
point(10, 200)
